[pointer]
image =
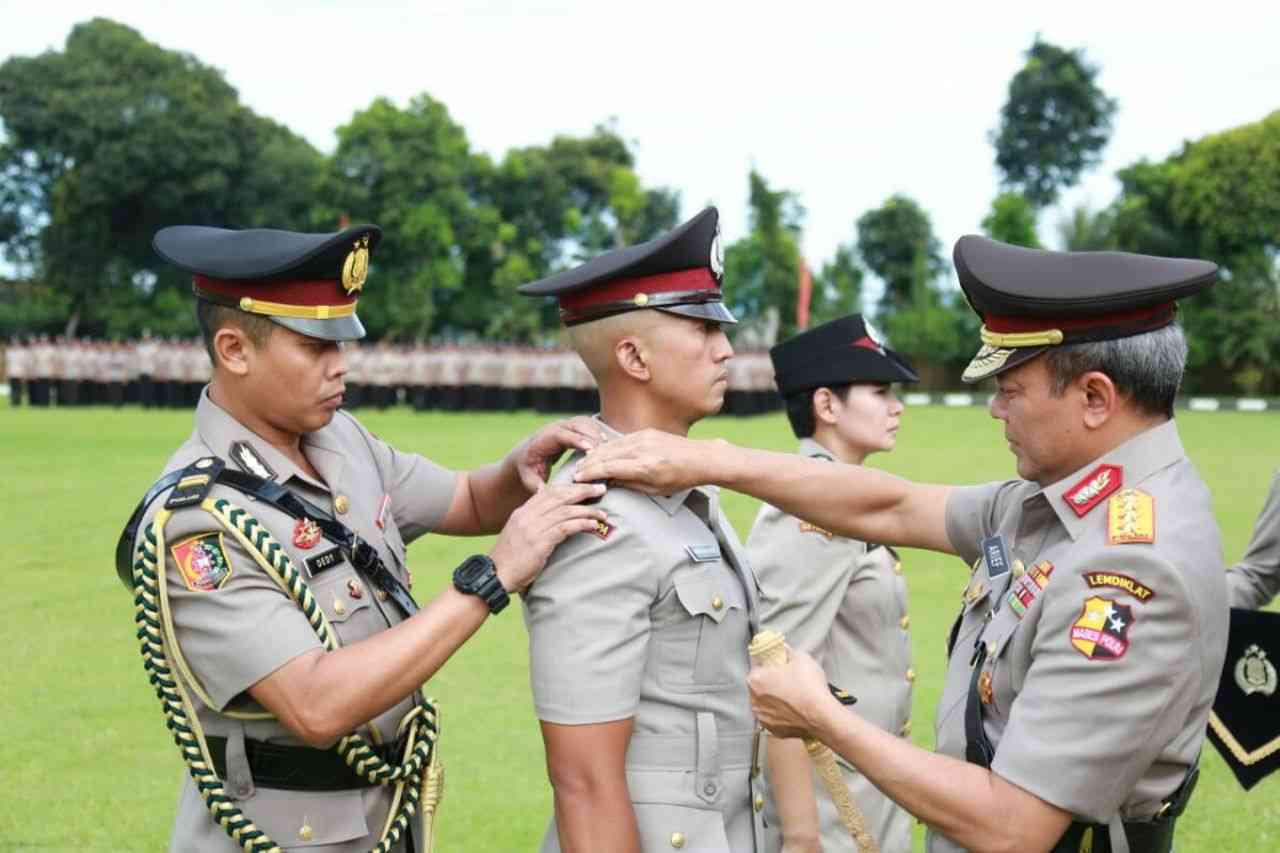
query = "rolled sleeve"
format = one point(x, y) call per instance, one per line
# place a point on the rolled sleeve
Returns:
point(973, 513)
point(1083, 730)
point(588, 618)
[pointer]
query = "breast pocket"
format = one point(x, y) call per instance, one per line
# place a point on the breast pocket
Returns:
point(345, 600)
point(703, 646)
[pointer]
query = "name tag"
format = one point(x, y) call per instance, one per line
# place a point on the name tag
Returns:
point(996, 555)
point(323, 562)
point(703, 553)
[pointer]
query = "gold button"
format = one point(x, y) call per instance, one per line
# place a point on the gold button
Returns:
point(339, 607)
point(1019, 569)
point(341, 504)
point(911, 676)
point(905, 731)
point(717, 603)
point(897, 567)
point(305, 832)
point(677, 840)
point(758, 802)
point(904, 621)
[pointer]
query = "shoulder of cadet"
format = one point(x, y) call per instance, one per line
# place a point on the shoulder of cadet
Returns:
point(619, 503)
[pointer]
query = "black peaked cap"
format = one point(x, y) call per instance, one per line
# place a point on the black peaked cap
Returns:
point(259, 254)
point(839, 352)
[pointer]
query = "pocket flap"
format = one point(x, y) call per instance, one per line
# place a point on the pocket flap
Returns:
point(702, 594)
point(296, 820)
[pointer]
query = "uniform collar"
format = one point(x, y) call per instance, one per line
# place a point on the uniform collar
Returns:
point(219, 430)
point(671, 503)
point(811, 448)
point(1141, 456)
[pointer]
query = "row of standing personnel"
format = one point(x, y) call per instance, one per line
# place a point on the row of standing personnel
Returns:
point(160, 373)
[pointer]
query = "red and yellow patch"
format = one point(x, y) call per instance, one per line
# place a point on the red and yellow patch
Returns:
point(602, 529)
point(1115, 580)
point(1093, 489)
point(1131, 517)
point(203, 562)
point(1027, 587)
point(806, 527)
point(306, 534)
point(1101, 632)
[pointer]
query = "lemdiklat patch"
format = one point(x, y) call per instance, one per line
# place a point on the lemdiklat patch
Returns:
point(203, 562)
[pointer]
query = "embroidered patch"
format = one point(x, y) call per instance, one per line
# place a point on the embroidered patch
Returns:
point(1028, 586)
point(306, 534)
point(806, 527)
point(323, 561)
point(1101, 632)
point(251, 461)
point(1093, 489)
point(703, 553)
point(381, 519)
point(203, 562)
point(1115, 580)
point(602, 529)
point(1131, 517)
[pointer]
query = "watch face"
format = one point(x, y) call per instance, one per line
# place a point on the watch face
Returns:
point(473, 571)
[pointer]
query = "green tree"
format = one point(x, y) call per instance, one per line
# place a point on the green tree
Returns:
point(1012, 219)
point(897, 244)
point(114, 137)
point(837, 288)
point(1054, 124)
point(762, 269)
point(1085, 230)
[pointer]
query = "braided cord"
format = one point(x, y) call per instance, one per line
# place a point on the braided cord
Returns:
point(418, 780)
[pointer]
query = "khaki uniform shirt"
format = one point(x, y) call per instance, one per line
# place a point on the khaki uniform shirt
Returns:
point(651, 621)
point(845, 604)
point(244, 627)
point(1098, 682)
point(1255, 580)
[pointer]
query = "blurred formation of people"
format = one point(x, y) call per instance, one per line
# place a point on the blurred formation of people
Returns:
point(168, 373)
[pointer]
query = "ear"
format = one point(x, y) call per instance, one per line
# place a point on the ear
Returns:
point(632, 359)
point(233, 349)
point(1100, 397)
point(825, 405)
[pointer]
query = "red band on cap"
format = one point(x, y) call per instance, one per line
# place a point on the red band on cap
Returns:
point(302, 293)
point(1151, 317)
point(867, 342)
point(628, 288)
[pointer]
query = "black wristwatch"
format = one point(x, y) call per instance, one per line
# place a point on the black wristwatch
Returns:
point(477, 576)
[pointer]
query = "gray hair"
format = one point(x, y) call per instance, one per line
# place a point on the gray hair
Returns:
point(1146, 368)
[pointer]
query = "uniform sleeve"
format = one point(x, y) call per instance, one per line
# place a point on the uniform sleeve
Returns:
point(1110, 685)
point(421, 491)
point(802, 576)
point(1255, 580)
point(972, 513)
point(588, 620)
point(235, 632)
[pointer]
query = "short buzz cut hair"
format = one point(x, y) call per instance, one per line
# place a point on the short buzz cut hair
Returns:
point(212, 317)
point(1146, 368)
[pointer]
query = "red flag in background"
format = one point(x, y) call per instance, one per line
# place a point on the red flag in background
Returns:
point(804, 296)
point(344, 222)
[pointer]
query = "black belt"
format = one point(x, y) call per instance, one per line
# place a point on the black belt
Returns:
point(1143, 837)
point(296, 768)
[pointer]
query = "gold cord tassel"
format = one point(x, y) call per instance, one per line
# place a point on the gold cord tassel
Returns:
point(769, 648)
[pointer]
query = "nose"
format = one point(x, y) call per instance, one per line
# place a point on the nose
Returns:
point(895, 405)
point(339, 367)
point(723, 349)
point(997, 407)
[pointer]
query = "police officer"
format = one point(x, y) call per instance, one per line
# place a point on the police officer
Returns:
point(1255, 580)
point(1093, 628)
point(273, 685)
point(16, 358)
point(840, 600)
point(638, 631)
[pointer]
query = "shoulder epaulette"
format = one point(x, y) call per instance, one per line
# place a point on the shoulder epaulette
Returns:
point(195, 482)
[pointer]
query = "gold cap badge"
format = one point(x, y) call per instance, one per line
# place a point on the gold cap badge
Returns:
point(355, 269)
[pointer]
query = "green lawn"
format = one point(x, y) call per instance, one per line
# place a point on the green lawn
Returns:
point(85, 763)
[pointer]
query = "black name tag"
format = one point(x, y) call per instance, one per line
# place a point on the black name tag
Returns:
point(993, 548)
point(324, 561)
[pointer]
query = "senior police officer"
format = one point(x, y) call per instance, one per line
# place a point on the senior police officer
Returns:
point(1087, 652)
point(841, 600)
point(638, 631)
point(281, 595)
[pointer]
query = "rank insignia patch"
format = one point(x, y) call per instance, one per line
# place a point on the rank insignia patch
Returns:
point(1102, 630)
point(1028, 586)
point(1093, 489)
point(1115, 580)
point(602, 529)
point(806, 527)
point(203, 562)
point(251, 461)
point(305, 534)
point(1131, 517)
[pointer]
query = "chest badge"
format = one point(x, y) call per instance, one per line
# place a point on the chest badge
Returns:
point(703, 553)
point(806, 527)
point(1254, 673)
point(1096, 487)
point(1131, 517)
point(1028, 586)
point(986, 690)
point(306, 534)
point(1101, 632)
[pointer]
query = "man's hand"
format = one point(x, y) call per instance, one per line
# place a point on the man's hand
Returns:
point(650, 461)
point(540, 524)
point(536, 456)
point(791, 699)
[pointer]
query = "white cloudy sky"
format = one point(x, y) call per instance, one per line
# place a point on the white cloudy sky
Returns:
point(845, 103)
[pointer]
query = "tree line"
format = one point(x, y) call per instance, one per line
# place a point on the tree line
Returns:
point(112, 137)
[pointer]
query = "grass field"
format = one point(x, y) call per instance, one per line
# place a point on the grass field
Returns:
point(86, 764)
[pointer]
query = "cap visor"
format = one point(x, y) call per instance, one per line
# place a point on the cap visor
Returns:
point(715, 311)
point(347, 328)
point(993, 360)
